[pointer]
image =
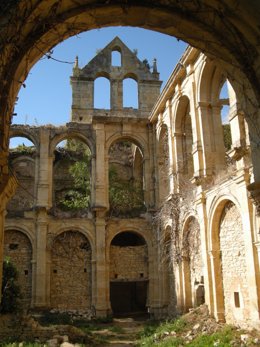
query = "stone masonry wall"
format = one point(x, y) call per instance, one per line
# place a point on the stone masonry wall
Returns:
point(17, 246)
point(234, 269)
point(71, 272)
point(24, 197)
point(128, 263)
point(194, 251)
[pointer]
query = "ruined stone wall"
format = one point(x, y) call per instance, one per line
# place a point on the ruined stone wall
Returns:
point(62, 179)
point(234, 270)
point(194, 252)
point(128, 263)
point(71, 272)
point(17, 246)
point(24, 168)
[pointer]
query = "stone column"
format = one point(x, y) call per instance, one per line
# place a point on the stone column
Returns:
point(186, 284)
point(102, 304)
point(216, 307)
point(157, 285)
point(217, 139)
point(44, 202)
point(203, 222)
point(44, 191)
point(206, 131)
point(40, 297)
point(171, 165)
point(150, 185)
point(116, 95)
point(100, 300)
point(101, 171)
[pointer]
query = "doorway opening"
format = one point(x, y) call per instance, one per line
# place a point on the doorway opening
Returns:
point(128, 274)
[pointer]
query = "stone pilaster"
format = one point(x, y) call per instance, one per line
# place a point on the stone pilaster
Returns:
point(101, 300)
point(203, 222)
point(101, 172)
point(41, 227)
point(44, 191)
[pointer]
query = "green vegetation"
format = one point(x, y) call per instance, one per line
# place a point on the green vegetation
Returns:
point(125, 197)
point(78, 196)
point(227, 136)
point(11, 293)
point(154, 333)
point(181, 332)
point(23, 149)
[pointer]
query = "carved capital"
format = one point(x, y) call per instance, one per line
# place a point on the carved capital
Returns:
point(237, 151)
point(254, 194)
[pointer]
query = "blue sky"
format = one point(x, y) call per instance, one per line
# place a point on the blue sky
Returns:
point(46, 99)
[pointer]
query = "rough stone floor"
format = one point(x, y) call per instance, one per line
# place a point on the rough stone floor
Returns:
point(125, 332)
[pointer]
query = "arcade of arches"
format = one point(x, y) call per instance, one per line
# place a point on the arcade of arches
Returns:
point(189, 178)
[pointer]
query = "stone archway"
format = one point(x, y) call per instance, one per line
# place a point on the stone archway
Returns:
point(226, 31)
point(229, 266)
point(233, 264)
point(71, 272)
point(18, 248)
point(128, 273)
point(40, 26)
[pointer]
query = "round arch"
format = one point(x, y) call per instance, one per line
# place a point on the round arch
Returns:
point(26, 134)
point(215, 211)
point(182, 104)
point(230, 288)
point(24, 230)
point(58, 231)
point(131, 75)
point(135, 139)
point(71, 135)
point(104, 74)
point(134, 230)
point(210, 81)
point(18, 246)
point(47, 26)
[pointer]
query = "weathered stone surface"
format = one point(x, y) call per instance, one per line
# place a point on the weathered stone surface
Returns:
point(183, 164)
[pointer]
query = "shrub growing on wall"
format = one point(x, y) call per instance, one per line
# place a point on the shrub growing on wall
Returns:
point(10, 289)
point(78, 195)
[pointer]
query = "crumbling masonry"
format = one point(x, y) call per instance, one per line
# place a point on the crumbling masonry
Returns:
point(193, 239)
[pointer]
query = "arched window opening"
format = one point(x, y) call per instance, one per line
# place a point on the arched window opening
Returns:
point(225, 102)
point(184, 142)
point(126, 188)
point(22, 163)
point(130, 93)
point(128, 239)
point(116, 58)
point(21, 143)
point(102, 93)
point(128, 284)
point(72, 177)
